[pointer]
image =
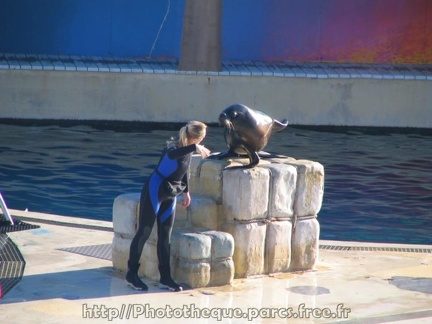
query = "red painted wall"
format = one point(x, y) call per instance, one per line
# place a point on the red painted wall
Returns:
point(395, 31)
point(363, 31)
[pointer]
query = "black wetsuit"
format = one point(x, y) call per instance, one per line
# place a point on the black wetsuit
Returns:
point(156, 205)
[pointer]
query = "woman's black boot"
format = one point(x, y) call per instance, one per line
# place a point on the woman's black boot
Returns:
point(133, 279)
point(166, 282)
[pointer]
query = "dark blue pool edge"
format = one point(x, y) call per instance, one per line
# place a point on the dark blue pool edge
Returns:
point(144, 126)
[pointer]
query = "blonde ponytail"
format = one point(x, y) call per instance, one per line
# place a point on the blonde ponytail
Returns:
point(183, 136)
point(192, 130)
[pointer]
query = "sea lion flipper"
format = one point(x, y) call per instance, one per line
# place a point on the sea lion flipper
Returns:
point(253, 158)
point(222, 155)
point(279, 125)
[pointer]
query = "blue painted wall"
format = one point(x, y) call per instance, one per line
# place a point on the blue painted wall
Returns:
point(366, 31)
point(90, 27)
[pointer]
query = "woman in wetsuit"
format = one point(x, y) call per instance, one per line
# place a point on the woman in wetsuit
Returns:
point(158, 203)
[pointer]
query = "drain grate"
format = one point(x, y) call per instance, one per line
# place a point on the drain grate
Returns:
point(104, 251)
point(12, 264)
point(101, 251)
point(59, 223)
point(374, 248)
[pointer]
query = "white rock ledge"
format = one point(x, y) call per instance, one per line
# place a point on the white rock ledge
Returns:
point(241, 222)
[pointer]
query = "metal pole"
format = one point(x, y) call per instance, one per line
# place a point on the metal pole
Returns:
point(5, 210)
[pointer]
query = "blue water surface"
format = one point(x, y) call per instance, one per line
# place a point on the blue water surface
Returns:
point(378, 182)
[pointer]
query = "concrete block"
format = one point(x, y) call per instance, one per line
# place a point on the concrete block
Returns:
point(206, 177)
point(191, 246)
point(305, 244)
point(283, 179)
point(125, 211)
point(245, 194)
point(310, 187)
point(202, 259)
point(120, 252)
point(281, 160)
point(249, 249)
point(222, 265)
point(204, 212)
point(222, 244)
point(278, 246)
point(193, 273)
point(221, 272)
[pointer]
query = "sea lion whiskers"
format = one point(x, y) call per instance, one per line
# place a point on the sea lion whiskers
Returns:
point(228, 124)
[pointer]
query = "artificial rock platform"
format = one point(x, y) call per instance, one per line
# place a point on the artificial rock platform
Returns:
point(241, 222)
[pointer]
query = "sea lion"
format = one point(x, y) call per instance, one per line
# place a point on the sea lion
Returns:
point(247, 131)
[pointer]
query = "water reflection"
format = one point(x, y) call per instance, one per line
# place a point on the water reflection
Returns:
point(378, 183)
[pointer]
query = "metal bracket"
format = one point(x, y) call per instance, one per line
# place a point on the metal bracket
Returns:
point(5, 210)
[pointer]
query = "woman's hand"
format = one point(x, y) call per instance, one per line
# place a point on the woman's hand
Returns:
point(186, 199)
point(203, 151)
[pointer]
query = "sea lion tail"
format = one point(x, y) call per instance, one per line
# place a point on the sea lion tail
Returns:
point(279, 125)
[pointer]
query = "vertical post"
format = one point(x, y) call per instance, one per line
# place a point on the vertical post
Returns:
point(3, 207)
point(201, 48)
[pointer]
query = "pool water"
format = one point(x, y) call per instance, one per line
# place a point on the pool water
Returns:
point(378, 182)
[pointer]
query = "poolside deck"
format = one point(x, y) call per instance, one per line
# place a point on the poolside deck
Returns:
point(69, 279)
